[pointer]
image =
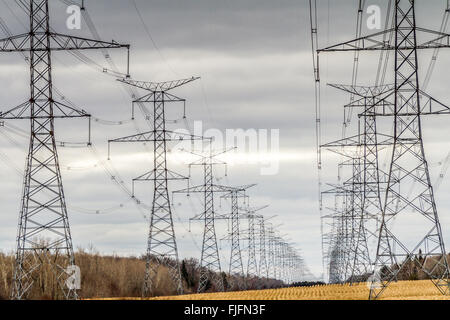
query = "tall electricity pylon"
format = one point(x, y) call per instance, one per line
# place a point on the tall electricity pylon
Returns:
point(345, 238)
point(263, 270)
point(408, 167)
point(44, 236)
point(370, 179)
point(161, 246)
point(252, 264)
point(270, 234)
point(281, 258)
point(358, 260)
point(276, 257)
point(250, 235)
point(209, 261)
point(236, 267)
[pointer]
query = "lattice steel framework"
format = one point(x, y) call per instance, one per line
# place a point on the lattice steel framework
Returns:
point(44, 236)
point(277, 258)
point(252, 264)
point(367, 179)
point(271, 252)
point(263, 270)
point(346, 219)
point(408, 165)
point(210, 269)
point(251, 235)
point(359, 258)
point(236, 267)
point(161, 246)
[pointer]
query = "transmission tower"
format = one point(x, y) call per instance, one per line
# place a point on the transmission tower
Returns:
point(371, 179)
point(236, 267)
point(210, 261)
point(408, 167)
point(250, 235)
point(263, 270)
point(358, 259)
point(282, 260)
point(161, 246)
point(271, 252)
point(278, 258)
point(44, 236)
point(346, 219)
point(252, 265)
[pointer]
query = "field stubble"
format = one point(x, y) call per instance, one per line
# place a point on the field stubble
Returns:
point(402, 290)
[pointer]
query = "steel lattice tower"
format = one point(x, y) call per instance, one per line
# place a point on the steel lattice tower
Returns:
point(44, 236)
point(252, 265)
point(372, 179)
point(347, 220)
point(282, 258)
point(250, 235)
point(277, 256)
point(359, 258)
point(210, 261)
point(263, 270)
point(161, 246)
point(408, 165)
point(236, 267)
point(271, 252)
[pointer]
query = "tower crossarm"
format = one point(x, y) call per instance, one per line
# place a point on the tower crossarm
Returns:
point(364, 91)
point(210, 159)
point(153, 97)
point(158, 86)
point(238, 191)
point(202, 188)
point(58, 42)
point(154, 135)
point(59, 111)
point(358, 140)
point(254, 210)
point(371, 98)
point(428, 106)
point(159, 174)
point(377, 42)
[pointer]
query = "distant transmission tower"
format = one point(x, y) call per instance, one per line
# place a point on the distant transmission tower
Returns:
point(250, 235)
point(371, 180)
point(162, 246)
point(346, 221)
point(263, 270)
point(236, 265)
point(43, 234)
point(210, 261)
point(270, 233)
point(409, 194)
point(252, 265)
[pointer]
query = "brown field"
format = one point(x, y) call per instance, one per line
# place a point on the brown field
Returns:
point(113, 277)
point(402, 290)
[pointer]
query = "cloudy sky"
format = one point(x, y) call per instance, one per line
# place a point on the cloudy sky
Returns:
point(254, 60)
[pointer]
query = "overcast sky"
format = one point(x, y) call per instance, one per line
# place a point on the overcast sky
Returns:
point(254, 60)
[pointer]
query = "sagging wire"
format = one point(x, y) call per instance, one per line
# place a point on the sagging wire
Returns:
point(317, 102)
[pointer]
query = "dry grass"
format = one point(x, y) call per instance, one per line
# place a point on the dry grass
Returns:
point(101, 276)
point(402, 290)
point(111, 277)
